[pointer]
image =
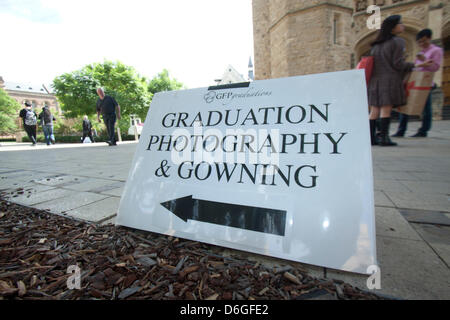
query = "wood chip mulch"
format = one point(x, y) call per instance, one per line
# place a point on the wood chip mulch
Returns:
point(37, 248)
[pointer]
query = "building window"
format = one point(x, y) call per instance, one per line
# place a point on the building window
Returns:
point(337, 28)
point(361, 5)
point(334, 30)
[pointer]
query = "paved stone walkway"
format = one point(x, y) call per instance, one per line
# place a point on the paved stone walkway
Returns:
point(412, 189)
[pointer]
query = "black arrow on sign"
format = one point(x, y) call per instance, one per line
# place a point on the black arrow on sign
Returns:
point(230, 215)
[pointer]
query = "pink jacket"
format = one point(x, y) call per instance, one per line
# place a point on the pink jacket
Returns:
point(434, 53)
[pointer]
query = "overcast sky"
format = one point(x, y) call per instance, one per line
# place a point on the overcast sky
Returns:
point(195, 40)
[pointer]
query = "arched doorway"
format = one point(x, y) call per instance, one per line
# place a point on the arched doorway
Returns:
point(362, 47)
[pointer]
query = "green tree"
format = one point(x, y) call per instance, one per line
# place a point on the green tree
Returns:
point(9, 109)
point(76, 91)
point(162, 82)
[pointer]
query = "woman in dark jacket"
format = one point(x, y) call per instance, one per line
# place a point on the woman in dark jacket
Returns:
point(386, 89)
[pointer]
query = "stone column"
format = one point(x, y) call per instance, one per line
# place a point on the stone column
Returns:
point(261, 35)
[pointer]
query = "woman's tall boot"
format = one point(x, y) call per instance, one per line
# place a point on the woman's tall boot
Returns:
point(384, 136)
point(373, 137)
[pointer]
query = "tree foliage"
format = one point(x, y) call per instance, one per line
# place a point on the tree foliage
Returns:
point(9, 111)
point(163, 82)
point(76, 91)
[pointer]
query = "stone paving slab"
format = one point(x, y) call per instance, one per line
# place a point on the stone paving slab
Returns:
point(71, 201)
point(384, 175)
point(108, 187)
point(98, 211)
point(433, 176)
point(26, 146)
point(438, 237)
point(89, 184)
point(390, 185)
point(14, 184)
point(426, 216)
point(430, 187)
point(390, 223)
point(27, 189)
point(61, 180)
point(4, 169)
point(104, 174)
point(41, 196)
point(420, 201)
point(63, 169)
point(22, 176)
point(381, 200)
point(114, 192)
point(409, 269)
point(420, 166)
point(16, 175)
point(109, 221)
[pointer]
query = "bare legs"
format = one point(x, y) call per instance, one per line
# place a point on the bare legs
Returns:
point(384, 111)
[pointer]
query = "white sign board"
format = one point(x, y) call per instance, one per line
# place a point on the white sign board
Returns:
point(279, 167)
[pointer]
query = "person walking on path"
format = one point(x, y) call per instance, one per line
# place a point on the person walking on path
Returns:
point(110, 110)
point(385, 90)
point(434, 54)
point(29, 118)
point(46, 118)
point(87, 129)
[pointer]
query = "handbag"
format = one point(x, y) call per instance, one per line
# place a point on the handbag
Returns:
point(417, 85)
point(366, 63)
point(87, 140)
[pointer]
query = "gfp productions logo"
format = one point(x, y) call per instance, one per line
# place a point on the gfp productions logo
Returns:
point(212, 95)
point(227, 96)
point(209, 97)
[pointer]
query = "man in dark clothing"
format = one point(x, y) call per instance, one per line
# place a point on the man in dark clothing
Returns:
point(110, 109)
point(47, 118)
point(29, 118)
point(87, 129)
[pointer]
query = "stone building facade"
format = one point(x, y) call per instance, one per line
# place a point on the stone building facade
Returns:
point(230, 75)
point(37, 95)
point(298, 37)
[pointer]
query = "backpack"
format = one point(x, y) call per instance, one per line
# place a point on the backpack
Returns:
point(47, 116)
point(30, 118)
